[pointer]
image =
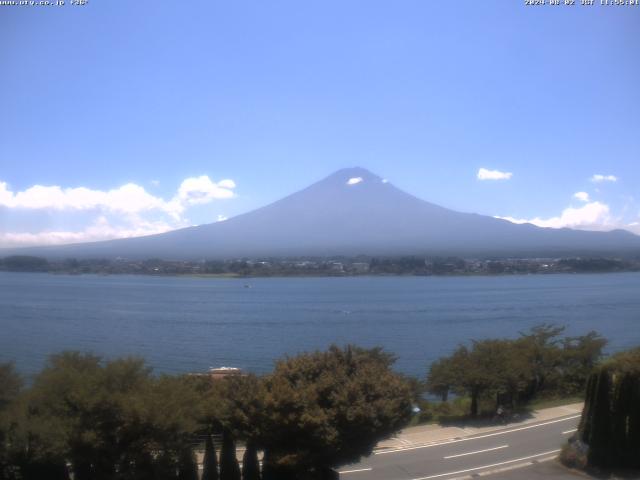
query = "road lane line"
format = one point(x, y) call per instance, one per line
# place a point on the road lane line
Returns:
point(477, 451)
point(356, 470)
point(502, 432)
point(486, 466)
point(570, 431)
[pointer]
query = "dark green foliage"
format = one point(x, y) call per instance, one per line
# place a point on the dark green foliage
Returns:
point(541, 348)
point(165, 467)
point(142, 468)
point(268, 467)
point(113, 420)
point(440, 379)
point(516, 371)
point(274, 470)
point(586, 419)
point(187, 467)
point(490, 367)
point(229, 468)
point(239, 405)
point(25, 263)
point(210, 462)
point(109, 420)
point(250, 464)
point(593, 264)
point(610, 423)
point(599, 439)
point(10, 385)
point(41, 469)
point(578, 357)
point(325, 409)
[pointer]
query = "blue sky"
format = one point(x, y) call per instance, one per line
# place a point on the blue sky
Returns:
point(125, 118)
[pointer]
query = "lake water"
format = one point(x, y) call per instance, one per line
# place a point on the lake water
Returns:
point(184, 324)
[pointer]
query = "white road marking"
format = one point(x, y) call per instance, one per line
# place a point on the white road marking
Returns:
point(355, 471)
point(503, 432)
point(486, 466)
point(570, 431)
point(477, 451)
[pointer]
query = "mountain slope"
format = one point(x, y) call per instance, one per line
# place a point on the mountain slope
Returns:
point(354, 212)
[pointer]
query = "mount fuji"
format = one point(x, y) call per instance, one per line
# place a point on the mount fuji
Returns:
point(353, 212)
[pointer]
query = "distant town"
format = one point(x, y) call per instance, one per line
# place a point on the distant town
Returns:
point(339, 266)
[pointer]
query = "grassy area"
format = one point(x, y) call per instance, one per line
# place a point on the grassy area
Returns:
point(539, 404)
point(457, 410)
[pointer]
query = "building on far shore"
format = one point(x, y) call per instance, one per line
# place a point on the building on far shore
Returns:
point(221, 372)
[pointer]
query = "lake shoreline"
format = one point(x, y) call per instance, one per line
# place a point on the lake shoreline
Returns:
point(319, 275)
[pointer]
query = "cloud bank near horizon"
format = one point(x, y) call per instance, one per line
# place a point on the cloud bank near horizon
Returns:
point(590, 215)
point(81, 214)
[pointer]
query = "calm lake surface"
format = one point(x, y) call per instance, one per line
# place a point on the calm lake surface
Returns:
point(189, 324)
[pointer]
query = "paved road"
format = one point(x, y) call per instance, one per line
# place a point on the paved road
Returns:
point(479, 454)
point(541, 471)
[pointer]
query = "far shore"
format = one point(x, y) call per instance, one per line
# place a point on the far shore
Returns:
point(339, 266)
point(236, 276)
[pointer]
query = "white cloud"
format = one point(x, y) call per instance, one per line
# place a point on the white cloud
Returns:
point(129, 198)
point(598, 178)
point(221, 218)
point(591, 216)
point(199, 190)
point(100, 229)
point(582, 196)
point(354, 180)
point(129, 208)
point(485, 174)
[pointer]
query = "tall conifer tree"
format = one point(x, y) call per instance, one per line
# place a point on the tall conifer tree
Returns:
point(210, 462)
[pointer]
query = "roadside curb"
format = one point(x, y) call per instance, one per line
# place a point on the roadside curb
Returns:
point(505, 469)
point(470, 436)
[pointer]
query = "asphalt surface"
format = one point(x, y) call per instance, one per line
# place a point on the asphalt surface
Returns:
point(546, 470)
point(514, 446)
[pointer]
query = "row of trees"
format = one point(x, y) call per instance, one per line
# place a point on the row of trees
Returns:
point(114, 420)
point(514, 371)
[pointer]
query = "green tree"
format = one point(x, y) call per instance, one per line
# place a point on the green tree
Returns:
point(515, 371)
point(325, 409)
point(540, 347)
point(10, 387)
point(250, 464)
point(579, 357)
point(108, 419)
point(165, 466)
point(238, 402)
point(440, 378)
point(187, 466)
point(229, 468)
point(488, 368)
point(210, 462)
point(610, 423)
